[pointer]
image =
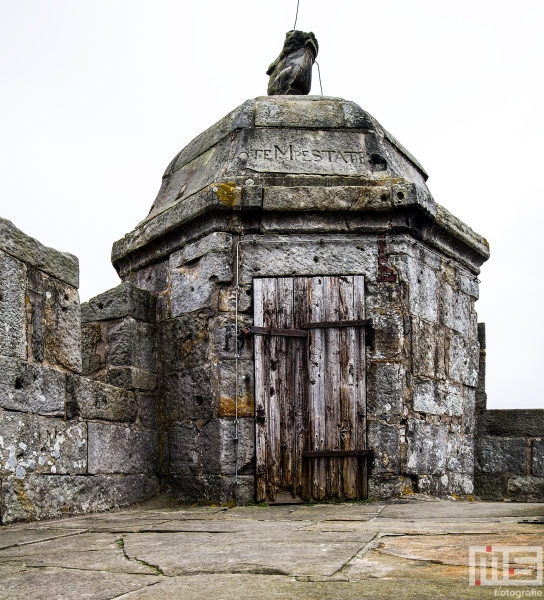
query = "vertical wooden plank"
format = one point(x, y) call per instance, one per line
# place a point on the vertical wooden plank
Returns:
point(332, 377)
point(348, 395)
point(301, 385)
point(360, 376)
point(261, 421)
point(284, 396)
point(271, 384)
point(316, 400)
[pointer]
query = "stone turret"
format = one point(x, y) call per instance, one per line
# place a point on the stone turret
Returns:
point(304, 187)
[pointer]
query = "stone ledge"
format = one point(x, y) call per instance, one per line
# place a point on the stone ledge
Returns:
point(62, 265)
point(125, 300)
point(438, 227)
point(95, 400)
point(513, 423)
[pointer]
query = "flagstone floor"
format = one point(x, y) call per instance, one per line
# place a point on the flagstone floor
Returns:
point(400, 549)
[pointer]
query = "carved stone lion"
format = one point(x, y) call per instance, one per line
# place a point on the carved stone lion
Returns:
point(291, 72)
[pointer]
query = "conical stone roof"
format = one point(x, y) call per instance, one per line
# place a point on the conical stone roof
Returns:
point(342, 157)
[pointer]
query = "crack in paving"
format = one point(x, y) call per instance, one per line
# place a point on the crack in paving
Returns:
point(128, 594)
point(154, 567)
point(121, 544)
point(65, 568)
point(371, 544)
point(181, 531)
point(47, 539)
point(119, 529)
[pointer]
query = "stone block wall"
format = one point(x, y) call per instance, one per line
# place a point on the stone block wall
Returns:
point(197, 347)
point(65, 439)
point(422, 371)
point(510, 456)
point(422, 368)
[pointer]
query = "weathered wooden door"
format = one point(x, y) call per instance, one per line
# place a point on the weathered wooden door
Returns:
point(310, 387)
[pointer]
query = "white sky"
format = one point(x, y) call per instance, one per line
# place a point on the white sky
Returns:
point(98, 96)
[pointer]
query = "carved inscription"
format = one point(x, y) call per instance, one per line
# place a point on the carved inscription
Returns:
point(307, 151)
point(290, 152)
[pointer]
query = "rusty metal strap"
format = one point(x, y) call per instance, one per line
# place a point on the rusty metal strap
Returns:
point(336, 453)
point(357, 323)
point(275, 331)
point(303, 333)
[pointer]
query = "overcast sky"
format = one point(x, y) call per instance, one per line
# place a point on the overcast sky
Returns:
point(98, 96)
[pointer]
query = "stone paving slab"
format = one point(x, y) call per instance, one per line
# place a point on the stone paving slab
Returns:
point(18, 537)
point(403, 549)
point(461, 510)
point(70, 584)
point(93, 552)
point(431, 527)
point(119, 523)
point(240, 527)
point(349, 512)
point(451, 549)
point(180, 553)
point(259, 587)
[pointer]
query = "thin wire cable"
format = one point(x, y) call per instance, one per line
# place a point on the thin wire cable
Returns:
point(319, 73)
point(236, 356)
point(296, 16)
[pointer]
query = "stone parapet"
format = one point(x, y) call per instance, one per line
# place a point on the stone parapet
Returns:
point(71, 444)
point(510, 455)
point(60, 265)
point(125, 300)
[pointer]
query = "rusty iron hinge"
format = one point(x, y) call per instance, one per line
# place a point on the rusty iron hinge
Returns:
point(303, 333)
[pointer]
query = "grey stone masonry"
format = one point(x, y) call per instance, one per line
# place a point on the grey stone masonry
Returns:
point(119, 338)
point(27, 250)
point(29, 387)
point(252, 162)
point(95, 400)
point(70, 444)
point(40, 497)
point(115, 448)
point(510, 464)
point(125, 300)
